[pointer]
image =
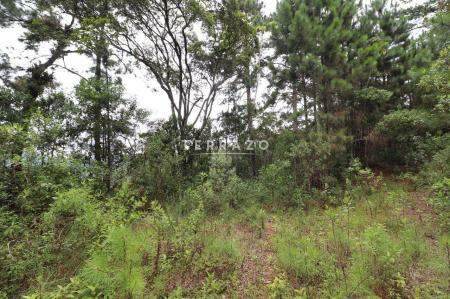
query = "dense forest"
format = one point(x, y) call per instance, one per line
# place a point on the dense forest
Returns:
point(306, 153)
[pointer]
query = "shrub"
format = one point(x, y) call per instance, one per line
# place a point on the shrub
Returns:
point(277, 180)
point(212, 286)
point(239, 193)
point(157, 173)
point(40, 182)
point(120, 266)
point(441, 201)
point(280, 288)
point(377, 268)
point(202, 193)
point(414, 246)
point(318, 159)
point(220, 172)
point(257, 218)
point(12, 253)
point(438, 166)
point(74, 289)
point(303, 259)
point(74, 223)
point(220, 255)
point(137, 260)
point(408, 137)
point(300, 198)
point(441, 190)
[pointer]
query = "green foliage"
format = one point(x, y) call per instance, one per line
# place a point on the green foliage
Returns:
point(220, 172)
point(74, 289)
point(238, 193)
point(374, 95)
point(441, 201)
point(220, 255)
point(221, 188)
point(257, 218)
point(106, 121)
point(73, 223)
point(319, 158)
point(435, 82)
point(410, 133)
point(158, 172)
point(442, 190)
point(12, 229)
point(404, 123)
point(45, 181)
point(302, 258)
point(301, 199)
point(360, 181)
point(10, 103)
point(378, 263)
point(276, 179)
point(280, 288)
point(438, 167)
point(94, 204)
point(118, 267)
point(212, 287)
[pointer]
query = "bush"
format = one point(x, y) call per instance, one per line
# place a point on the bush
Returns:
point(220, 255)
point(74, 289)
point(408, 137)
point(212, 286)
point(257, 218)
point(378, 267)
point(441, 201)
point(437, 168)
point(157, 172)
point(280, 288)
point(441, 191)
point(120, 266)
point(74, 224)
point(56, 247)
point(302, 258)
point(12, 252)
point(202, 193)
point(277, 180)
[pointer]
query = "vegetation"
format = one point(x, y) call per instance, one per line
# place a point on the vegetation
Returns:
point(334, 182)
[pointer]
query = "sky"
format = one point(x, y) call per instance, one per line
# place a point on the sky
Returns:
point(138, 85)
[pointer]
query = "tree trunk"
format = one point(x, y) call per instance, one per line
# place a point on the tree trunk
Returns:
point(315, 106)
point(296, 161)
point(250, 110)
point(295, 124)
point(97, 114)
point(305, 101)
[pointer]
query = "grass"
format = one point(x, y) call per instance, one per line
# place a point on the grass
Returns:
point(383, 244)
point(386, 243)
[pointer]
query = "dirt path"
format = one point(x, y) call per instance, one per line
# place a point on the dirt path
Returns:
point(258, 266)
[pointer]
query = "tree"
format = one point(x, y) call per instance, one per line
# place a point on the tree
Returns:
point(72, 27)
point(189, 47)
point(311, 41)
point(43, 23)
point(248, 70)
point(106, 121)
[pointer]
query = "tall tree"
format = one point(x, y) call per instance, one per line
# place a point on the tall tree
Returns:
point(248, 71)
point(311, 40)
point(43, 24)
point(189, 47)
point(104, 113)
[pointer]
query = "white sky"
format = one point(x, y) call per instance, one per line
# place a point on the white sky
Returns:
point(137, 85)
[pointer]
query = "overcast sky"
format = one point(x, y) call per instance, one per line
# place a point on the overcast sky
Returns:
point(137, 85)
